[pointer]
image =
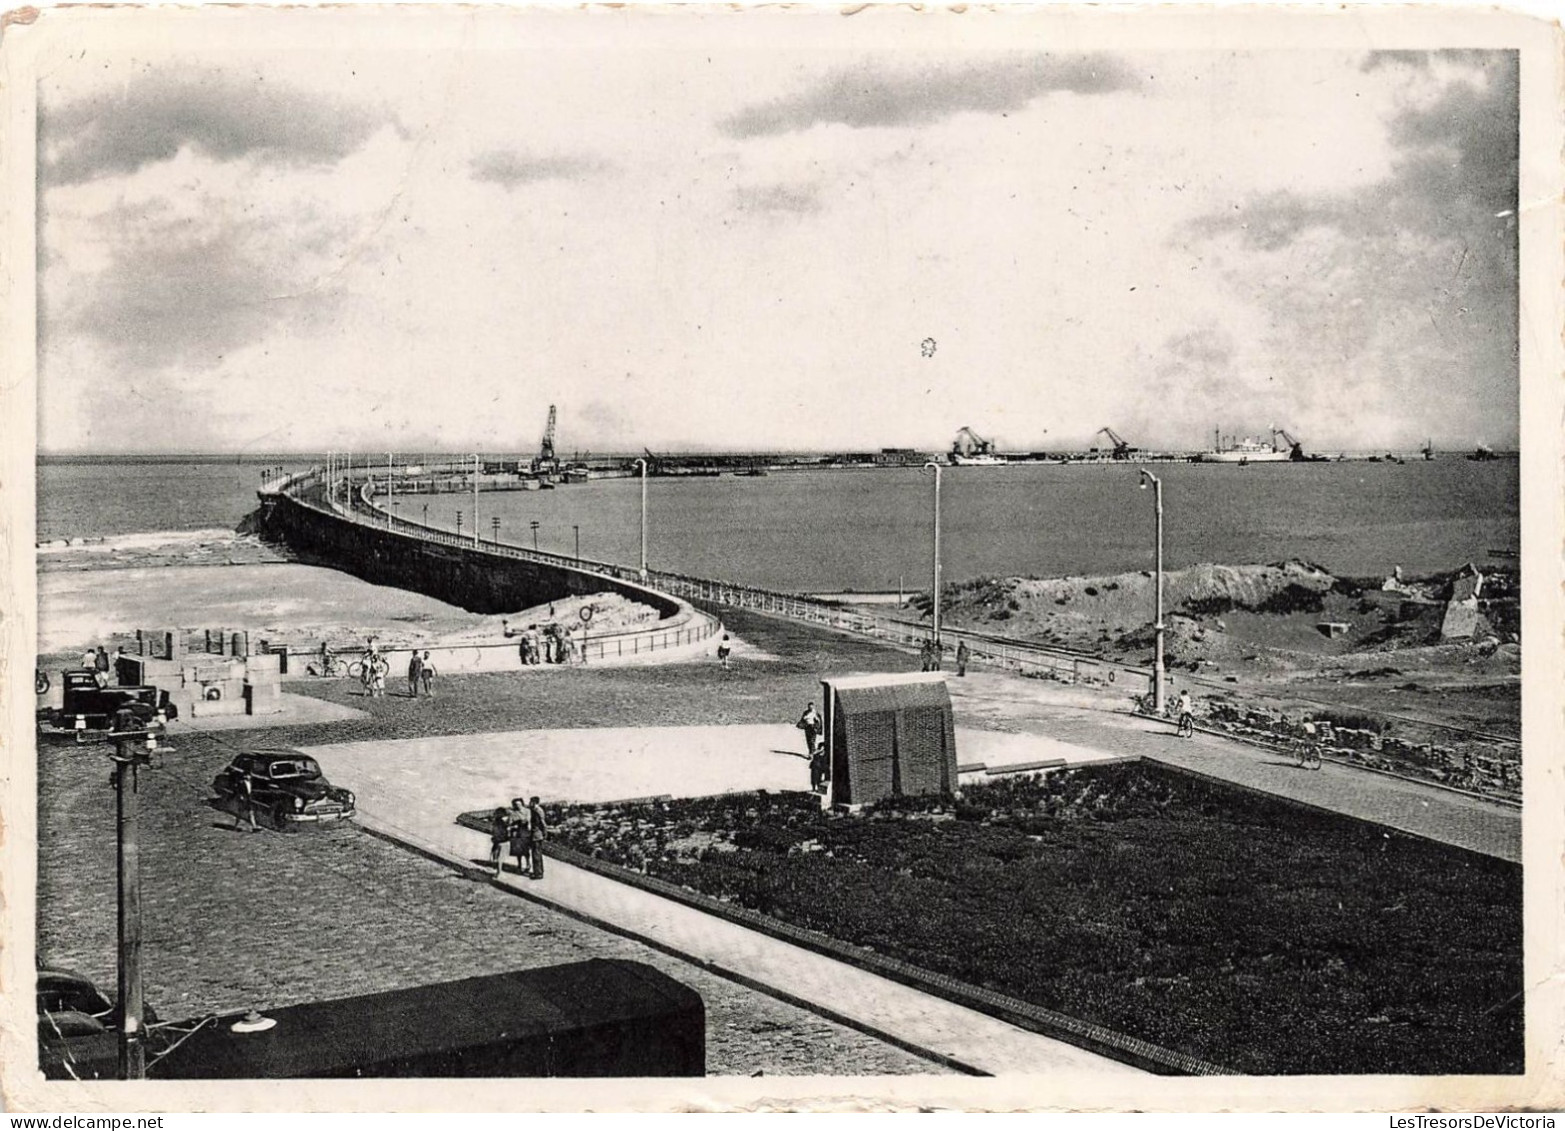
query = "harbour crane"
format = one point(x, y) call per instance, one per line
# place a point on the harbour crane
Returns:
point(546, 460)
point(1122, 448)
point(970, 443)
point(1295, 447)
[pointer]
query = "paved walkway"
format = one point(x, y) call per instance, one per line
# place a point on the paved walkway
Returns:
point(1080, 718)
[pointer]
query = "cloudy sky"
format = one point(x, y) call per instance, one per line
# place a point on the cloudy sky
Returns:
point(732, 243)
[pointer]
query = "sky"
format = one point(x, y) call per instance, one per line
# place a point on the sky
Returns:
point(812, 243)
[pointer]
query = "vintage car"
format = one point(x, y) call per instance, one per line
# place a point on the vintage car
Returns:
point(285, 786)
point(86, 708)
point(70, 1005)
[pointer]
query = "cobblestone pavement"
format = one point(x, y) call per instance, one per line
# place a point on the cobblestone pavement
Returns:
point(235, 920)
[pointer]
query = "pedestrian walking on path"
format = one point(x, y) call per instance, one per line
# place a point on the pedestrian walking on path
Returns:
point(537, 833)
point(499, 837)
point(1186, 715)
point(415, 674)
point(961, 658)
point(247, 801)
point(724, 650)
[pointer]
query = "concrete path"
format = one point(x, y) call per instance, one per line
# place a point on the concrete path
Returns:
point(1085, 719)
point(440, 776)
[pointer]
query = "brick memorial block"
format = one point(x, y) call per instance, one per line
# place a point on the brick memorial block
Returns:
point(889, 736)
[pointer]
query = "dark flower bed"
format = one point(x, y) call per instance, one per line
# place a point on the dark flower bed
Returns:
point(1227, 925)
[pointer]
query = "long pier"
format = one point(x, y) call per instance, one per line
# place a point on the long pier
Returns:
point(340, 524)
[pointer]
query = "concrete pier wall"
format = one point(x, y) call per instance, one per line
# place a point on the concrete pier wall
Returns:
point(471, 577)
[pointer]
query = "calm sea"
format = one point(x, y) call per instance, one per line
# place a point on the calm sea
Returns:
point(871, 530)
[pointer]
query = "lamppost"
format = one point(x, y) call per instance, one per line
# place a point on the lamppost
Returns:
point(426, 514)
point(494, 524)
point(1157, 625)
point(534, 525)
point(459, 524)
point(935, 566)
point(475, 498)
point(643, 464)
point(576, 530)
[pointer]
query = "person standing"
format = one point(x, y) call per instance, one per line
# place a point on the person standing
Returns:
point(961, 658)
point(415, 674)
point(1186, 715)
point(426, 671)
point(810, 724)
point(499, 837)
point(537, 833)
point(725, 649)
point(520, 823)
point(246, 800)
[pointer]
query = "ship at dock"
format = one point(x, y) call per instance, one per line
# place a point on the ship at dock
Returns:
point(1283, 448)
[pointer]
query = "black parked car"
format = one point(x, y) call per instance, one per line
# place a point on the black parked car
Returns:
point(70, 1005)
point(285, 785)
point(88, 707)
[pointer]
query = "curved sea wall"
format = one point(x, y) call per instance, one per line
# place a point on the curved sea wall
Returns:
point(483, 580)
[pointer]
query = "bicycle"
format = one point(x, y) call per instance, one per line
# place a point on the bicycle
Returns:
point(1305, 749)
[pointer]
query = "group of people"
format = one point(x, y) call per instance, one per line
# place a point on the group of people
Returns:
point(421, 673)
point(815, 744)
point(376, 668)
point(523, 828)
point(931, 655)
point(551, 646)
point(101, 664)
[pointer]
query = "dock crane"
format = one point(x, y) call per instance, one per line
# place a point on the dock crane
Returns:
point(1122, 448)
point(546, 461)
point(970, 443)
point(1295, 447)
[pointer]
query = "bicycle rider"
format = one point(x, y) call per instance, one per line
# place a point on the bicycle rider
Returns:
point(1186, 715)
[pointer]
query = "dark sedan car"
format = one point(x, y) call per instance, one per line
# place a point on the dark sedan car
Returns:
point(70, 1005)
point(87, 708)
point(284, 785)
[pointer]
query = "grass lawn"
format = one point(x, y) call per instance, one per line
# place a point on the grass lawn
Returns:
point(1231, 926)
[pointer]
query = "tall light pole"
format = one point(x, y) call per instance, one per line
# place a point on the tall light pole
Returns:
point(576, 530)
point(475, 498)
point(935, 565)
point(389, 495)
point(643, 464)
point(459, 524)
point(534, 525)
point(1157, 625)
point(495, 523)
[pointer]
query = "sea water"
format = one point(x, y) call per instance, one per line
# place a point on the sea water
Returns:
point(872, 529)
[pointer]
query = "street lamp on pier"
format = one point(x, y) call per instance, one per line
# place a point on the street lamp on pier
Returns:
point(576, 530)
point(494, 524)
point(534, 525)
point(459, 524)
point(643, 464)
point(935, 567)
point(1157, 624)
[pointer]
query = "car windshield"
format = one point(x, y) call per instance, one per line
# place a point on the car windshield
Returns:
point(294, 768)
